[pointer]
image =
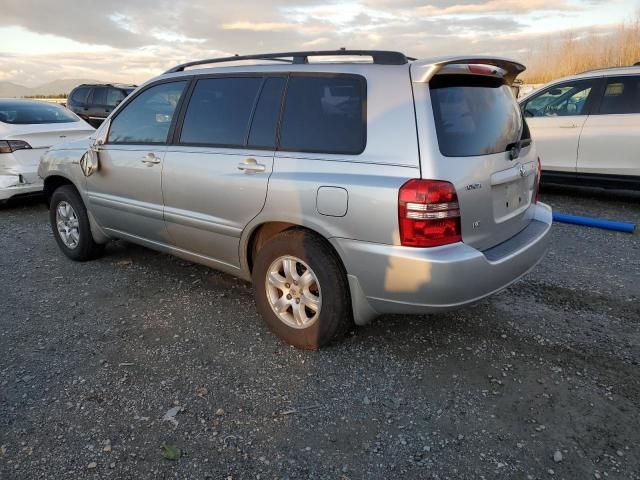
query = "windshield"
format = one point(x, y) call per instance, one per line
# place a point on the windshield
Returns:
point(474, 115)
point(29, 112)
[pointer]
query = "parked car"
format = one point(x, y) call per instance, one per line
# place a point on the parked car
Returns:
point(343, 190)
point(94, 103)
point(587, 128)
point(27, 129)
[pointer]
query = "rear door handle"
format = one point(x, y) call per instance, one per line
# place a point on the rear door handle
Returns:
point(251, 166)
point(150, 159)
point(568, 126)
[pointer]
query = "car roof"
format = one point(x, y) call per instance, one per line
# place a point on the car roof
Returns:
point(116, 85)
point(602, 72)
point(424, 67)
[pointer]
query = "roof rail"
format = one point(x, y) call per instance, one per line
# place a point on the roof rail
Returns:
point(380, 57)
point(602, 69)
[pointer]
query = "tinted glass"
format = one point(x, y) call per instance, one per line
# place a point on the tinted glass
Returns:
point(27, 112)
point(147, 118)
point(80, 94)
point(265, 118)
point(621, 95)
point(99, 96)
point(115, 96)
point(474, 115)
point(324, 114)
point(560, 101)
point(219, 111)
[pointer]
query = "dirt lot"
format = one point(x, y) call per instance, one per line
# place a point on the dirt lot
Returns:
point(93, 355)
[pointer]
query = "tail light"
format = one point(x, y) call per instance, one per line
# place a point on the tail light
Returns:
point(10, 146)
point(428, 214)
point(538, 178)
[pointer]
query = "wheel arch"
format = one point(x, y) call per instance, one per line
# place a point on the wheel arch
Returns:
point(52, 183)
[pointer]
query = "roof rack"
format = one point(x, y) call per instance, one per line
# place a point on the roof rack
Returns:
point(380, 57)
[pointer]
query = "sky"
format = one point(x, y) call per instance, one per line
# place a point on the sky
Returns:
point(134, 40)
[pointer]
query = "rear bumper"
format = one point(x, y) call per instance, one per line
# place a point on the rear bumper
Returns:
point(394, 279)
point(19, 173)
point(12, 185)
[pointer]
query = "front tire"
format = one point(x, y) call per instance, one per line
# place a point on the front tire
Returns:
point(301, 290)
point(70, 225)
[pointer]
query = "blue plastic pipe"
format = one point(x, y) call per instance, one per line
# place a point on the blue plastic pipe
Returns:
point(594, 222)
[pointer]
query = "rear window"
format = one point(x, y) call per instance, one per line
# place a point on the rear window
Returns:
point(28, 112)
point(324, 114)
point(474, 115)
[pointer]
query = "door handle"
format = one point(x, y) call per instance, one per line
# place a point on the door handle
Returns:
point(251, 166)
point(150, 159)
point(568, 126)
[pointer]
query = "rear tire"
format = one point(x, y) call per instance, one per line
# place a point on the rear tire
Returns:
point(70, 225)
point(301, 290)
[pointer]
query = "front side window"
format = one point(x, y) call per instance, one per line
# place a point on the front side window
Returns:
point(560, 101)
point(621, 96)
point(324, 114)
point(147, 118)
point(219, 111)
point(25, 112)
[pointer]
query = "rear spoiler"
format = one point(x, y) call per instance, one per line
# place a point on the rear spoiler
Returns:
point(423, 70)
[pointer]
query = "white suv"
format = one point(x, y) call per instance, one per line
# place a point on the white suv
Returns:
point(587, 128)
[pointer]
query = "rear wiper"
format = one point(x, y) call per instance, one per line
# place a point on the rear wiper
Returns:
point(515, 147)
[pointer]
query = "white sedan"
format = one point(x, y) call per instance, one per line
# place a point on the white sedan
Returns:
point(27, 129)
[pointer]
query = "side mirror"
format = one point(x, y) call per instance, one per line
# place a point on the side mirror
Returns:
point(89, 163)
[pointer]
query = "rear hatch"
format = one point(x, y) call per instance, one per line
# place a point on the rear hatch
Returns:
point(476, 138)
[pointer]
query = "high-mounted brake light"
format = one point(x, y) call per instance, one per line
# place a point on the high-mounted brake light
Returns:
point(482, 70)
point(10, 146)
point(538, 178)
point(428, 213)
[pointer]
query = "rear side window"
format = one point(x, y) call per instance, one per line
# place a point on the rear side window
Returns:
point(621, 95)
point(147, 118)
point(324, 114)
point(115, 96)
point(80, 95)
point(99, 96)
point(219, 111)
point(265, 118)
point(474, 115)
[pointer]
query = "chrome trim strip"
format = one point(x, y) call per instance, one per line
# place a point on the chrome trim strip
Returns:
point(200, 222)
point(134, 207)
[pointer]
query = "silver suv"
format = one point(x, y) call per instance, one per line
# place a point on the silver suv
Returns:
point(342, 189)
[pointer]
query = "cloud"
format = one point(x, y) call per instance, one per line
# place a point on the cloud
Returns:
point(496, 6)
point(141, 38)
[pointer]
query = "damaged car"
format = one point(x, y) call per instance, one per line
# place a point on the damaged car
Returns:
point(27, 129)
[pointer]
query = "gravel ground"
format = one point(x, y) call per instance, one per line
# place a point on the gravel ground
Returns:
point(102, 363)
